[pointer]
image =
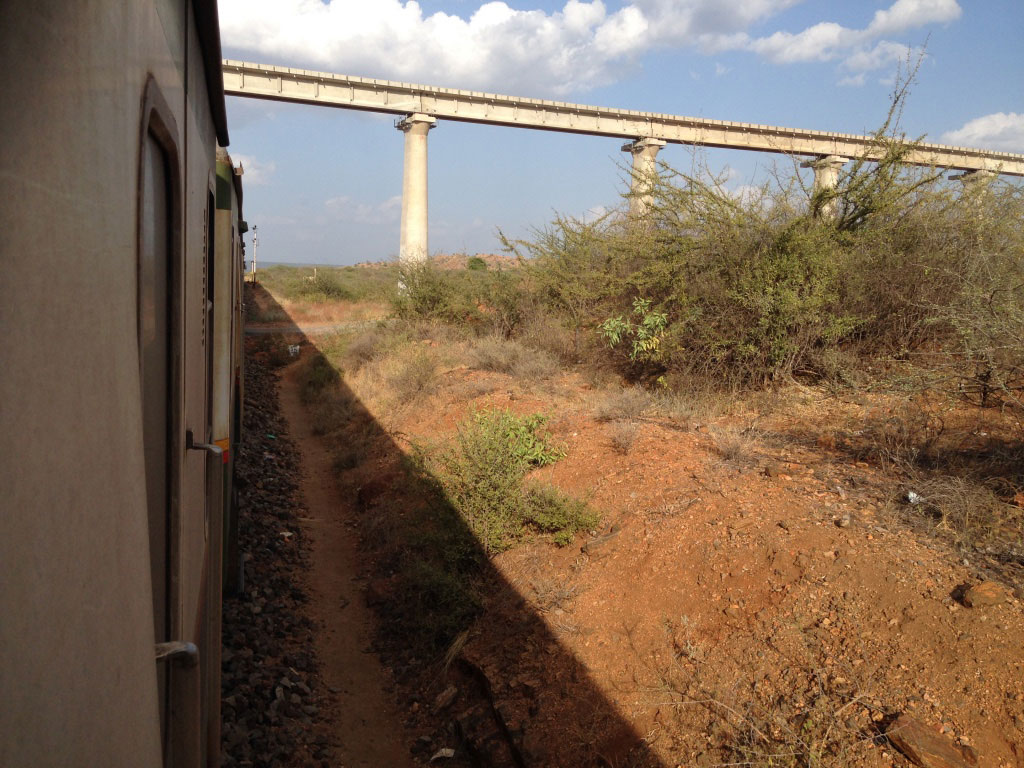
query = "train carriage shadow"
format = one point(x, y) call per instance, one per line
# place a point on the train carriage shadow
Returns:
point(488, 667)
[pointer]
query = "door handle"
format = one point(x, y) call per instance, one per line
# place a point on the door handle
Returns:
point(192, 445)
point(178, 651)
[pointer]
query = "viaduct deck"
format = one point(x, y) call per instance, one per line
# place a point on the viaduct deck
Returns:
point(347, 92)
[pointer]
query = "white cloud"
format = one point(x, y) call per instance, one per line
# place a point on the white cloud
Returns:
point(817, 43)
point(910, 14)
point(879, 56)
point(497, 47)
point(858, 50)
point(582, 46)
point(1000, 131)
point(256, 173)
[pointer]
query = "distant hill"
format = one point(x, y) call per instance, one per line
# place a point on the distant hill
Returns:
point(459, 260)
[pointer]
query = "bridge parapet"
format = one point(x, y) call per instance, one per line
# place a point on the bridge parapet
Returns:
point(349, 92)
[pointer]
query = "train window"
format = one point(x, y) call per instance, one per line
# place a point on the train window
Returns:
point(211, 298)
point(159, 311)
point(155, 325)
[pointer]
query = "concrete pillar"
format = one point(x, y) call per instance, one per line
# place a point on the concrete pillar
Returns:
point(826, 176)
point(645, 168)
point(413, 244)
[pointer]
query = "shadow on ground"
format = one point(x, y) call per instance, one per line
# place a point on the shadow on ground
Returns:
point(478, 663)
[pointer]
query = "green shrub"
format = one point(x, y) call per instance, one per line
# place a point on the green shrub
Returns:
point(523, 436)
point(481, 300)
point(325, 286)
point(424, 293)
point(502, 295)
point(645, 335)
point(313, 285)
point(482, 474)
point(550, 511)
point(784, 282)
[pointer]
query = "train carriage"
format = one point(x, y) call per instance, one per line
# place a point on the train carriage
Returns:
point(119, 382)
point(228, 384)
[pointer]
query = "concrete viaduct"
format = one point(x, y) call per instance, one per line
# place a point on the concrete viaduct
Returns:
point(647, 132)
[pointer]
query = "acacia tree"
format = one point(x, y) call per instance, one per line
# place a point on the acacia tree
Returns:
point(568, 263)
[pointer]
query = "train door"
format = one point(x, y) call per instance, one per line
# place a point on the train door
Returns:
point(160, 379)
point(157, 313)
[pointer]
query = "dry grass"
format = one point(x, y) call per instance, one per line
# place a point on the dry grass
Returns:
point(968, 513)
point(349, 455)
point(330, 411)
point(623, 435)
point(413, 374)
point(902, 436)
point(734, 444)
point(363, 348)
point(629, 404)
point(809, 718)
point(546, 334)
point(257, 314)
point(494, 353)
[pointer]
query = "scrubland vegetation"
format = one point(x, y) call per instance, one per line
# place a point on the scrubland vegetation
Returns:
point(881, 322)
point(323, 294)
point(912, 290)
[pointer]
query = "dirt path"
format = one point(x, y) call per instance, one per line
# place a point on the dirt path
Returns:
point(369, 733)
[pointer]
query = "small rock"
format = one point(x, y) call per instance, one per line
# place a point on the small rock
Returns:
point(600, 543)
point(443, 753)
point(844, 521)
point(733, 612)
point(984, 594)
point(924, 746)
point(445, 697)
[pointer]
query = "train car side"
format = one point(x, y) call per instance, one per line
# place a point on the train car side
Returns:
point(113, 484)
point(227, 422)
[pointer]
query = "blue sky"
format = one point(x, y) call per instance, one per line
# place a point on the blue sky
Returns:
point(323, 185)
